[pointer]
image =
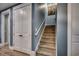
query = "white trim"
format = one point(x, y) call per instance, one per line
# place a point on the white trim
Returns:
point(69, 39)
point(2, 26)
point(39, 40)
point(21, 5)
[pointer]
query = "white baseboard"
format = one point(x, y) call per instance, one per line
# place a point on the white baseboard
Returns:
point(39, 40)
point(11, 47)
point(33, 53)
point(1, 45)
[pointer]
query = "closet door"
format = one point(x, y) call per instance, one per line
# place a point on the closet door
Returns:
point(22, 28)
point(75, 29)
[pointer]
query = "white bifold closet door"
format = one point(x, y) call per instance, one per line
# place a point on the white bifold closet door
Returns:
point(22, 27)
point(75, 29)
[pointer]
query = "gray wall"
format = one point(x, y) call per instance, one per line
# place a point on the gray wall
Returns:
point(61, 36)
point(11, 27)
point(37, 19)
point(6, 5)
point(50, 20)
point(0, 27)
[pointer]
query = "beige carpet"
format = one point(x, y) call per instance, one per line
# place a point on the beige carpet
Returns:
point(5, 51)
point(47, 44)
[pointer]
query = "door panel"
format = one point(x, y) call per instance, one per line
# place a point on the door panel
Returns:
point(75, 49)
point(75, 29)
point(75, 39)
point(22, 28)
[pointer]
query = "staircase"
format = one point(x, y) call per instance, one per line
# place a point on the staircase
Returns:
point(47, 43)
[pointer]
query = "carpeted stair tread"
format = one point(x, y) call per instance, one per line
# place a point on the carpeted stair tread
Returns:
point(48, 41)
point(49, 34)
point(49, 37)
point(49, 46)
point(46, 52)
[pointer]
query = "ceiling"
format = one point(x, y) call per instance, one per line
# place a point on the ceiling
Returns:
point(6, 5)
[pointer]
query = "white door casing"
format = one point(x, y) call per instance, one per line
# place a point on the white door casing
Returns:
point(22, 28)
point(69, 33)
point(2, 26)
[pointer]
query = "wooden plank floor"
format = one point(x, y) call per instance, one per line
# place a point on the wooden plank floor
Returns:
point(5, 51)
point(47, 44)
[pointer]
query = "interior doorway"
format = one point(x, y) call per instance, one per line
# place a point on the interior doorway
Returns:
point(5, 28)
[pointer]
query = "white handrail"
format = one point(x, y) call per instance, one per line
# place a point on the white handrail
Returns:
point(36, 33)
